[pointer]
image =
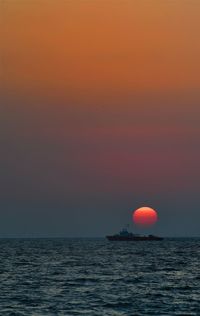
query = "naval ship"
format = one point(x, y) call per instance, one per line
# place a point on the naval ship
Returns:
point(124, 235)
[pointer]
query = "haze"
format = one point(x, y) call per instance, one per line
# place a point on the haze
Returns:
point(99, 115)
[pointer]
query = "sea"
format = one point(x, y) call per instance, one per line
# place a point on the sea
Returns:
point(95, 277)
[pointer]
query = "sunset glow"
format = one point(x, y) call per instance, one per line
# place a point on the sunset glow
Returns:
point(99, 105)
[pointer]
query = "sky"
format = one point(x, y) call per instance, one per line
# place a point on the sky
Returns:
point(99, 115)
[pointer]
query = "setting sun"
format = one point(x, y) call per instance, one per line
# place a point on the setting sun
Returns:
point(145, 216)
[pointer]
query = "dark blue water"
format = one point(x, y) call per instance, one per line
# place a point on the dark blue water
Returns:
point(97, 277)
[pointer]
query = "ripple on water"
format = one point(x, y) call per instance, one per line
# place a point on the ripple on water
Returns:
point(96, 277)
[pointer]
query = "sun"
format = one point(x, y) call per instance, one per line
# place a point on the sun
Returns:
point(145, 216)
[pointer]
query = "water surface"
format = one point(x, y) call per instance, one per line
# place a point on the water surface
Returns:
point(95, 277)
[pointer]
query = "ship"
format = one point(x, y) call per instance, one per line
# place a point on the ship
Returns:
point(124, 235)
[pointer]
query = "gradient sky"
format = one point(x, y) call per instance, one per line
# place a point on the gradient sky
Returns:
point(99, 115)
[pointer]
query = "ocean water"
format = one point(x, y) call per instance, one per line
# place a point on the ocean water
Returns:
point(97, 277)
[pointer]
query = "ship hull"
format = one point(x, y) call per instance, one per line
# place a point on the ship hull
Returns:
point(134, 238)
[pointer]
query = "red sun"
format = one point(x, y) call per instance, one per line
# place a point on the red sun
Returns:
point(145, 216)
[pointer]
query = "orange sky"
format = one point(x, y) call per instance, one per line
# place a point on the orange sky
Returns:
point(97, 48)
point(99, 105)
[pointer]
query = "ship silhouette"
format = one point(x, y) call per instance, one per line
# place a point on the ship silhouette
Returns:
point(124, 235)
